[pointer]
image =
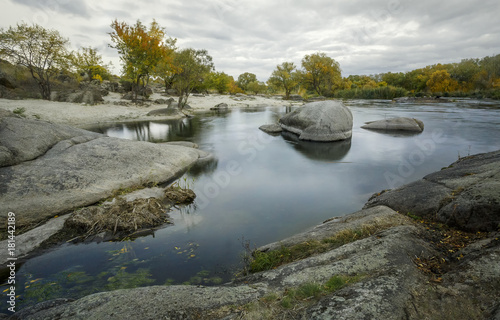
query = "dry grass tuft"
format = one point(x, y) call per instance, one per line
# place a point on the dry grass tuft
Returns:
point(119, 216)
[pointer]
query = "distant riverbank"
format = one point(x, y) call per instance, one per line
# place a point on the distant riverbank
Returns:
point(114, 109)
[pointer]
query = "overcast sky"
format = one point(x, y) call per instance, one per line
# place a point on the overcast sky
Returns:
point(365, 37)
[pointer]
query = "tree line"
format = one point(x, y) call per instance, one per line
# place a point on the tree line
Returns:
point(148, 54)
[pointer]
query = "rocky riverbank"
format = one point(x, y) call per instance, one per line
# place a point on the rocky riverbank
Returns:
point(395, 259)
point(62, 168)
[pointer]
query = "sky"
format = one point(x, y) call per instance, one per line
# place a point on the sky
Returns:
point(365, 37)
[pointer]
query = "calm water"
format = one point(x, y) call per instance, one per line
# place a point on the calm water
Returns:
point(260, 189)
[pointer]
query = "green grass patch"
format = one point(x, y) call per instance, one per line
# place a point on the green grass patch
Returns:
point(413, 217)
point(340, 281)
point(20, 111)
point(293, 302)
point(262, 261)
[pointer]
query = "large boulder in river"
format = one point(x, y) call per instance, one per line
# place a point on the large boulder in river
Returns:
point(464, 195)
point(396, 124)
point(50, 169)
point(320, 121)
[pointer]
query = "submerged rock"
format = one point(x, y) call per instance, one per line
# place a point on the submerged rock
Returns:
point(31, 240)
point(271, 128)
point(319, 121)
point(319, 151)
point(401, 123)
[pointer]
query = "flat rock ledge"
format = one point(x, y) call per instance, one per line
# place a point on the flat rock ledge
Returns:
point(396, 124)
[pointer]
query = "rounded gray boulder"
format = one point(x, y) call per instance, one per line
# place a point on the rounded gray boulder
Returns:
point(401, 123)
point(319, 121)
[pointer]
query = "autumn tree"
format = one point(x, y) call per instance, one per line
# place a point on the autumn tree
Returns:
point(43, 52)
point(321, 73)
point(440, 81)
point(233, 86)
point(193, 66)
point(285, 77)
point(166, 71)
point(88, 63)
point(362, 82)
point(244, 79)
point(141, 50)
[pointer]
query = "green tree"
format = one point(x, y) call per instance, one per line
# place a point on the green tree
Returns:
point(257, 87)
point(218, 81)
point(244, 80)
point(193, 66)
point(321, 73)
point(491, 65)
point(88, 63)
point(141, 50)
point(464, 71)
point(394, 79)
point(285, 77)
point(43, 52)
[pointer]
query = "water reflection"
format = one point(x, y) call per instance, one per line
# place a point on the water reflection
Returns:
point(321, 151)
point(152, 131)
point(204, 167)
point(395, 133)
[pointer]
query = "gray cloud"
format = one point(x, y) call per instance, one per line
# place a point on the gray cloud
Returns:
point(77, 8)
point(366, 37)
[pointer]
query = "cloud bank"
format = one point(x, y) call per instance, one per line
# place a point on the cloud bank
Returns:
point(365, 37)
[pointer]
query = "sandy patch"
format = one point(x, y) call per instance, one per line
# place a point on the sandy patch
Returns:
point(81, 115)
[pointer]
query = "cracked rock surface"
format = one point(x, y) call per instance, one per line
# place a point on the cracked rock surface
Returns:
point(465, 195)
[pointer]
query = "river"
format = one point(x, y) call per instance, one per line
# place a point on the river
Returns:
point(260, 189)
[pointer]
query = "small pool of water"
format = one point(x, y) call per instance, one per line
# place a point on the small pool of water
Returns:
point(261, 189)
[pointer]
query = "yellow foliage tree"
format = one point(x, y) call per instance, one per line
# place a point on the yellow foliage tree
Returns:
point(141, 50)
point(441, 81)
